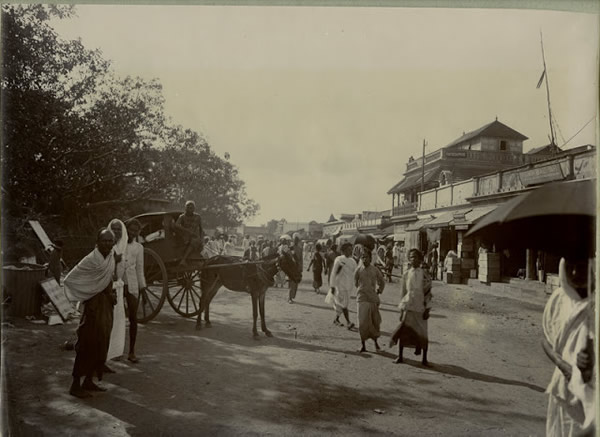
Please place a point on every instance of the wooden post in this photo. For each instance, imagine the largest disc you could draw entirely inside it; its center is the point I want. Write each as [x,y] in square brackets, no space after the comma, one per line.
[530,271]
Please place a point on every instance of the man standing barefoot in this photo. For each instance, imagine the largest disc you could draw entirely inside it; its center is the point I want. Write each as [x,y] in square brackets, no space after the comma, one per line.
[91,282]
[370,284]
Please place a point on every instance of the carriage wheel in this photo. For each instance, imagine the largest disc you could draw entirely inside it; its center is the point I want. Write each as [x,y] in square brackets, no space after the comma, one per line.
[152,298]
[185,292]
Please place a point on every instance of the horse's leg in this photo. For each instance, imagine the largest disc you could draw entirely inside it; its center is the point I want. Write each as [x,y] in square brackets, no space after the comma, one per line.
[263,323]
[254,313]
[213,292]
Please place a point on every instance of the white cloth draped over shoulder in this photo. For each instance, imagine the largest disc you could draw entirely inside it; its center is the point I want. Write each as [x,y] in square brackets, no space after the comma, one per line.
[91,276]
[342,278]
[567,324]
[117,335]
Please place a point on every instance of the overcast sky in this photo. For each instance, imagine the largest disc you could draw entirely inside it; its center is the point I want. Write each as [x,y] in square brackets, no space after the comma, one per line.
[320,108]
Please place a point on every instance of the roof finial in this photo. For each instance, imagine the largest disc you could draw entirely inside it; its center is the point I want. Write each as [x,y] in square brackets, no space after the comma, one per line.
[496,118]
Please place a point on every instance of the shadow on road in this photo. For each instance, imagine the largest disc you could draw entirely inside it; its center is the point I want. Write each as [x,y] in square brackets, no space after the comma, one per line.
[449,369]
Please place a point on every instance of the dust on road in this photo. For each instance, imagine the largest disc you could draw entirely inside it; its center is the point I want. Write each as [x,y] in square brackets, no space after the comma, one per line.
[487,377]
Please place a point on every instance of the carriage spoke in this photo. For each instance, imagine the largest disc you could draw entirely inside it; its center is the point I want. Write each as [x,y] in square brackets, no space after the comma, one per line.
[176,294]
[198,295]
[187,301]
[151,306]
[152,293]
[193,300]
[181,300]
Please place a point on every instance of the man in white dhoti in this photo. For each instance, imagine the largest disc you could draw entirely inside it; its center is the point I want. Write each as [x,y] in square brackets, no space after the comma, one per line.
[134,281]
[414,306]
[342,284]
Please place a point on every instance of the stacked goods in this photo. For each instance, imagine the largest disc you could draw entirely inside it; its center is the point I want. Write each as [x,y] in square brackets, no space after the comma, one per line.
[467,257]
[489,267]
[453,274]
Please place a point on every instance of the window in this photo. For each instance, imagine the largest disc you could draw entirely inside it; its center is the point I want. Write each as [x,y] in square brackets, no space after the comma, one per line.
[502,145]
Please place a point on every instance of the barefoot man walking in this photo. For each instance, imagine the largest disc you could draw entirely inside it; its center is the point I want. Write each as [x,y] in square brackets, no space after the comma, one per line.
[370,284]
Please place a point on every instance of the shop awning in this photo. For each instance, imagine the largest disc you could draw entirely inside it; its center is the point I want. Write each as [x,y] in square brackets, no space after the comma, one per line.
[413,181]
[477,213]
[400,236]
[415,226]
[445,218]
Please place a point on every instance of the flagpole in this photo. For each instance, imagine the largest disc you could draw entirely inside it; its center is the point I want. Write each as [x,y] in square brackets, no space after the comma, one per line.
[547,92]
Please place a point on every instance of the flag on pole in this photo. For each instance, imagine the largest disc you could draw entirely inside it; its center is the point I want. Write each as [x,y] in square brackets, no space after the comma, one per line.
[541,78]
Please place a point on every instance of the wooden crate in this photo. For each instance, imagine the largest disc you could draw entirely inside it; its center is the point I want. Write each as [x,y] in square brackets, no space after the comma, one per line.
[488,278]
[452,278]
[467,263]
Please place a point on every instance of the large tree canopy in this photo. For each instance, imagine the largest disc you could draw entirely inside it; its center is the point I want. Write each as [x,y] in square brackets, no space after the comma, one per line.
[75,134]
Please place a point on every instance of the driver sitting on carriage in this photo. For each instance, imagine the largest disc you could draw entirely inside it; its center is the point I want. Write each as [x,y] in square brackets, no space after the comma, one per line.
[188,230]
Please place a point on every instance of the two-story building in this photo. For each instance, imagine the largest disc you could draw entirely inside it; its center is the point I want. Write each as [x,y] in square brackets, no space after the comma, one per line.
[492,147]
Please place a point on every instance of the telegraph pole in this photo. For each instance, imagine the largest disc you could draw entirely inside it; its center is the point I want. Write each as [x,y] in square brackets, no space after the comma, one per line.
[423,168]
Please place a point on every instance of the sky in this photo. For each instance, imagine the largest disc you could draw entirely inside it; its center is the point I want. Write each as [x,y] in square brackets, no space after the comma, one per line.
[321,107]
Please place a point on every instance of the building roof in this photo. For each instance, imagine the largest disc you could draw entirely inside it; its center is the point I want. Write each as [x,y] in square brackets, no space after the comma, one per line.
[548,148]
[493,129]
[414,180]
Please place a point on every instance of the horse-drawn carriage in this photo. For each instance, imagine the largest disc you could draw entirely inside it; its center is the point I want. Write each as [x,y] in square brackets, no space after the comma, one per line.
[185,286]
[165,278]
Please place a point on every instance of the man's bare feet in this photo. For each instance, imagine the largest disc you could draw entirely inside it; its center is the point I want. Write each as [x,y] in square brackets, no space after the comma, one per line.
[362,349]
[133,358]
[78,392]
[106,369]
[90,386]
[398,360]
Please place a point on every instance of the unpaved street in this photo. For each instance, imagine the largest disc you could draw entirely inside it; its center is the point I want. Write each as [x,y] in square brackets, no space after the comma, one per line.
[487,377]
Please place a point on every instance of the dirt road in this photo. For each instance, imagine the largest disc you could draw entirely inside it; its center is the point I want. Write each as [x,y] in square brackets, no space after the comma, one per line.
[487,377]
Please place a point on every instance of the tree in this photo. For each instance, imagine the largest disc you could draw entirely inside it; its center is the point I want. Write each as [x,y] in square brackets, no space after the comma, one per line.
[191,170]
[76,134]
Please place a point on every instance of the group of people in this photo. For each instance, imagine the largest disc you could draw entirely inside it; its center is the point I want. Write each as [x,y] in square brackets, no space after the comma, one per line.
[347,275]
[109,277]
[108,281]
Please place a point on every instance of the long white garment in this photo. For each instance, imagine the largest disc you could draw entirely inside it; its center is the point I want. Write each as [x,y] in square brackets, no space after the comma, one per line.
[571,405]
[117,335]
[134,268]
[342,278]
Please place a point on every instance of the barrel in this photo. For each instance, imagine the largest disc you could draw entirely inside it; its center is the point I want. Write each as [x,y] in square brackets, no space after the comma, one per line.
[21,282]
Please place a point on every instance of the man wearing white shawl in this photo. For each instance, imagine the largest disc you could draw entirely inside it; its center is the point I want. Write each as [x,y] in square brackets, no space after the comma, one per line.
[568,324]
[342,283]
[90,282]
[117,335]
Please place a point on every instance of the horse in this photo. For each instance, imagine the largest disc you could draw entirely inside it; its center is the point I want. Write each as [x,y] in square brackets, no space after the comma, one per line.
[253,278]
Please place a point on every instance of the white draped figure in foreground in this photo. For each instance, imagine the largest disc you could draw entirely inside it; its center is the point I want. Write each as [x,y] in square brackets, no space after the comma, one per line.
[568,324]
[342,284]
[117,335]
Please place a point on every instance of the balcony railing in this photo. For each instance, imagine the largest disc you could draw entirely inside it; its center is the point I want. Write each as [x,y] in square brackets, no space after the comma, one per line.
[409,208]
